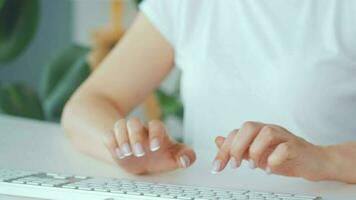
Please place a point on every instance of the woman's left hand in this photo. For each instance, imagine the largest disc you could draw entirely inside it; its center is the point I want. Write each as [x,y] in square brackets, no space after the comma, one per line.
[272,148]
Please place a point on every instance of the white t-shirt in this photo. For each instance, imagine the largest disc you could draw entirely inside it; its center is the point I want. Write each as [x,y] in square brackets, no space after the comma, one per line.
[286,62]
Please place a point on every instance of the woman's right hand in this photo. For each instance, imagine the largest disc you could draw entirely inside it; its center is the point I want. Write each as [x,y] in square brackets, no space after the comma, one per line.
[139,149]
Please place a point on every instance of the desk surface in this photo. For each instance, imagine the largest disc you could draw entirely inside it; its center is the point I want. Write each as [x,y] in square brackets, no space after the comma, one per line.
[40,146]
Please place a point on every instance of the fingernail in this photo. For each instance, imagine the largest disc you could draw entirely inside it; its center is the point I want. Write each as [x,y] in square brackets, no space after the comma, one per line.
[268,171]
[252,164]
[131,127]
[154,145]
[126,150]
[216,167]
[138,150]
[184,160]
[233,163]
[119,154]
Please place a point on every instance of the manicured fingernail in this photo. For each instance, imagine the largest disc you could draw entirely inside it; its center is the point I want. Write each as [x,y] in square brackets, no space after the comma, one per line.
[252,164]
[126,150]
[268,171]
[132,126]
[233,163]
[154,144]
[138,150]
[184,160]
[119,153]
[216,167]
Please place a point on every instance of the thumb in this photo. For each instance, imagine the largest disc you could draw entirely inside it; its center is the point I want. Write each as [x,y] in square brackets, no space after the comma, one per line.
[183,155]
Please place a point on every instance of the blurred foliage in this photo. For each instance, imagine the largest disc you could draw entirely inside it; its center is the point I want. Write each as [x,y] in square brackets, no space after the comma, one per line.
[63,74]
[1,3]
[61,77]
[138,1]
[170,104]
[20,100]
[18,24]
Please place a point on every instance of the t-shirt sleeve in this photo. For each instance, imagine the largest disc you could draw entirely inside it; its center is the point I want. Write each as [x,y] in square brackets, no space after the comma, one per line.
[163,15]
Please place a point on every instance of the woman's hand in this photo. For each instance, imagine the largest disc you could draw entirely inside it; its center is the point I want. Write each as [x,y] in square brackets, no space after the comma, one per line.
[139,149]
[273,149]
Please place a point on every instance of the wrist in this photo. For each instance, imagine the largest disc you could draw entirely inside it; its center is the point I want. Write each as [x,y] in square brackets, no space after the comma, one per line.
[330,166]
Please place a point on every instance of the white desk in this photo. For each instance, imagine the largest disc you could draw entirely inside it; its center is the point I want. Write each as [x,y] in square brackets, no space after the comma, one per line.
[40,146]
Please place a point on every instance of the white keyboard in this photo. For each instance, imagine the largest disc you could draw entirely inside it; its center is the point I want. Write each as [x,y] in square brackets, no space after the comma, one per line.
[70,187]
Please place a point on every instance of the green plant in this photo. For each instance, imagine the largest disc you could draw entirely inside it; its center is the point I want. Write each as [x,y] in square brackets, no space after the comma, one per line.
[61,77]
[20,100]
[138,1]
[171,104]
[1,3]
[18,24]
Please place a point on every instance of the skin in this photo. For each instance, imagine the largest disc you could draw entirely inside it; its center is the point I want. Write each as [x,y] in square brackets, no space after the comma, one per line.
[276,150]
[96,116]
[122,81]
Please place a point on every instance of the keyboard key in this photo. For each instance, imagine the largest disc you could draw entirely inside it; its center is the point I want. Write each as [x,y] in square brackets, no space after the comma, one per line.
[137,189]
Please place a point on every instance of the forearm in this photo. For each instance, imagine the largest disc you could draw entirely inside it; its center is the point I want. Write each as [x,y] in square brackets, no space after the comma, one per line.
[85,120]
[342,162]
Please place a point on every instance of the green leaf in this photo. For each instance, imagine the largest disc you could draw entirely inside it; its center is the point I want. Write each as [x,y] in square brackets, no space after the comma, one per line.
[138,1]
[61,77]
[18,24]
[19,100]
[1,3]
[58,66]
[170,105]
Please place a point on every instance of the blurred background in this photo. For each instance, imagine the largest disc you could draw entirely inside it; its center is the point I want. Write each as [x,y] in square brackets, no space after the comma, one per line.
[49,47]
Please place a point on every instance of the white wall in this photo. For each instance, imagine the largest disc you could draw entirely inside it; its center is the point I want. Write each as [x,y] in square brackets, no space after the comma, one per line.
[93,14]
[61,22]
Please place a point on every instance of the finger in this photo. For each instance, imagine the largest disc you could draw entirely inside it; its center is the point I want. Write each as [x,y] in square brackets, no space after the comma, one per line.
[267,137]
[157,132]
[281,153]
[243,139]
[184,155]
[110,143]
[219,141]
[223,155]
[137,136]
[122,138]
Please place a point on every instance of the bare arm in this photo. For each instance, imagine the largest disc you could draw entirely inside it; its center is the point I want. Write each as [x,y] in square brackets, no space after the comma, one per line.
[342,162]
[134,68]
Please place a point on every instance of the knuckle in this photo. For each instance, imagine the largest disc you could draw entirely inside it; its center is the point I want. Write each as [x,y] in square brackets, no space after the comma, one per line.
[225,150]
[268,138]
[253,152]
[234,151]
[249,125]
[223,155]
[275,161]
[285,148]
[268,130]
